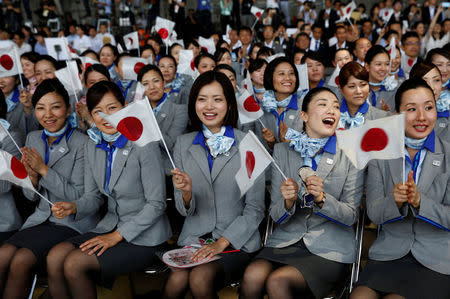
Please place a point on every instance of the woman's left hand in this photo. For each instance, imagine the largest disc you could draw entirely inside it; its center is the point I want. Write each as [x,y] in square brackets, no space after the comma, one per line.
[413,193]
[314,184]
[101,243]
[34,160]
[283,130]
[209,250]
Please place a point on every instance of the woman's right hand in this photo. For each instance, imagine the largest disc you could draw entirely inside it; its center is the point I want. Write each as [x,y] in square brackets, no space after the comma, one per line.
[289,191]
[25,100]
[34,176]
[63,209]
[83,113]
[268,136]
[400,194]
[182,182]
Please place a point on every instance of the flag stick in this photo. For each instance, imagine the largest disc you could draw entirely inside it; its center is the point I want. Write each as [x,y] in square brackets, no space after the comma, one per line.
[262,124]
[7,132]
[267,154]
[18,61]
[254,24]
[403,170]
[43,197]
[71,81]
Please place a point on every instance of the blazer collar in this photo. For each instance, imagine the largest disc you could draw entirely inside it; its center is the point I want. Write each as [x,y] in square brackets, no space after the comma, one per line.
[60,147]
[431,166]
[119,162]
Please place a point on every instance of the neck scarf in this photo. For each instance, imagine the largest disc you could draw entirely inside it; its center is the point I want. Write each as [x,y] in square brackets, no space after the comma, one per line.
[159,105]
[5,123]
[347,121]
[270,103]
[414,143]
[443,102]
[259,90]
[306,146]
[58,133]
[218,143]
[12,99]
[97,136]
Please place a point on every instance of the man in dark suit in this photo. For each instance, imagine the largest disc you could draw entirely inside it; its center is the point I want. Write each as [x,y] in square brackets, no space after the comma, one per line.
[327,19]
[341,37]
[317,44]
[429,11]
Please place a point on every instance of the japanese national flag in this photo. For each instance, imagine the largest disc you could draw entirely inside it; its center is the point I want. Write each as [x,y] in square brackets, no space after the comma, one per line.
[70,78]
[131,40]
[248,107]
[207,44]
[9,62]
[272,57]
[392,51]
[88,61]
[12,170]
[334,79]
[139,94]
[257,12]
[186,64]
[254,160]
[387,15]
[136,122]
[132,65]
[58,48]
[302,70]
[348,9]
[383,138]
[164,28]
[248,85]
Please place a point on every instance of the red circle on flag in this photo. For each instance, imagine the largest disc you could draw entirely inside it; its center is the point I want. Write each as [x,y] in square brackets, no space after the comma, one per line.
[138,66]
[251,105]
[131,41]
[258,14]
[131,127]
[163,33]
[6,62]
[249,163]
[348,9]
[375,139]
[18,169]
[87,65]
[193,65]
[336,80]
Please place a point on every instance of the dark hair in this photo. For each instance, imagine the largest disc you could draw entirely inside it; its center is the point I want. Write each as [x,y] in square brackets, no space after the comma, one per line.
[147,68]
[231,117]
[173,46]
[225,67]
[411,83]
[89,51]
[49,59]
[341,50]
[220,43]
[120,56]
[265,51]
[96,93]
[194,43]
[259,45]
[374,51]
[354,69]
[220,53]
[113,49]
[148,47]
[422,68]
[41,33]
[408,35]
[19,34]
[169,57]
[437,51]
[339,26]
[30,56]
[416,24]
[256,65]
[3,106]
[245,28]
[270,70]
[48,86]
[99,68]
[313,56]
[201,56]
[300,35]
[311,94]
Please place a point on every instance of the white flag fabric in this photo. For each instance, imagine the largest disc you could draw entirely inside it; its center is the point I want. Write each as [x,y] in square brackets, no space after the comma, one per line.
[3,132]
[136,122]
[139,94]
[248,107]
[248,85]
[347,10]
[254,160]
[207,44]
[120,49]
[132,65]
[391,49]
[164,28]
[131,40]
[70,78]
[12,170]
[334,79]
[186,64]
[9,62]
[88,61]
[387,15]
[270,58]
[383,138]
[58,48]
[302,70]
[257,12]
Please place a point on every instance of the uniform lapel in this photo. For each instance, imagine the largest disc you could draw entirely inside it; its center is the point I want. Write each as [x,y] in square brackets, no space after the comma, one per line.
[119,162]
[326,164]
[60,150]
[199,155]
[431,167]
[221,161]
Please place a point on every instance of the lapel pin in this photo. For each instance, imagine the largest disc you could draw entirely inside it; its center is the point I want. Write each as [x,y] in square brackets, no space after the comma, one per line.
[62,150]
[436,163]
[163,115]
[329,161]
[442,125]
[125,152]
[291,116]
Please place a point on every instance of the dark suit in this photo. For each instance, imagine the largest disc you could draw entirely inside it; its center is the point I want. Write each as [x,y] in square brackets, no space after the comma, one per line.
[426,16]
[332,18]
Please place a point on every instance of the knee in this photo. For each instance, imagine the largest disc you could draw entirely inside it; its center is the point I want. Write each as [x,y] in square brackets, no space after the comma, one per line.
[254,277]
[55,259]
[199,284]
[363,292]
[275,284]
[23,261]
[73,266]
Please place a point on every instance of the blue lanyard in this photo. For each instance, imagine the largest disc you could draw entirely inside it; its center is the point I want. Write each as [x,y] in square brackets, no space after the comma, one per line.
[443,114]
[415,163]
[125,90]
[110,150]
[280,117]
[374,96]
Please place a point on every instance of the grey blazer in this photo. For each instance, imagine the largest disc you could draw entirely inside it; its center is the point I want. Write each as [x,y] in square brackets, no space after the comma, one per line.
[375,113]
[172,120]
[442,128]
[20,122]
[217,205]
[131,91]
[9,216]
[136,202]
[326,231]
[388,96]
[182,96]
[63,182]
[425,232]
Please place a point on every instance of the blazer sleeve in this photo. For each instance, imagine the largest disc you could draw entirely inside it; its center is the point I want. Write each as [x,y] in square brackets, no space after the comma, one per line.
[153,181]
[434,212]
[9,147]
[178,125]
[244,226]
[278,210]
[344,210]
[179,202]
[69,189]
[381,206]
[92,198]
[30,195]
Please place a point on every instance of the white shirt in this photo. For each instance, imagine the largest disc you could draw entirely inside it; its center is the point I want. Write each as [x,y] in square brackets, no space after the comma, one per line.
[269,45]
[82,43]
[312,44]
[25,48]
[96,44]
